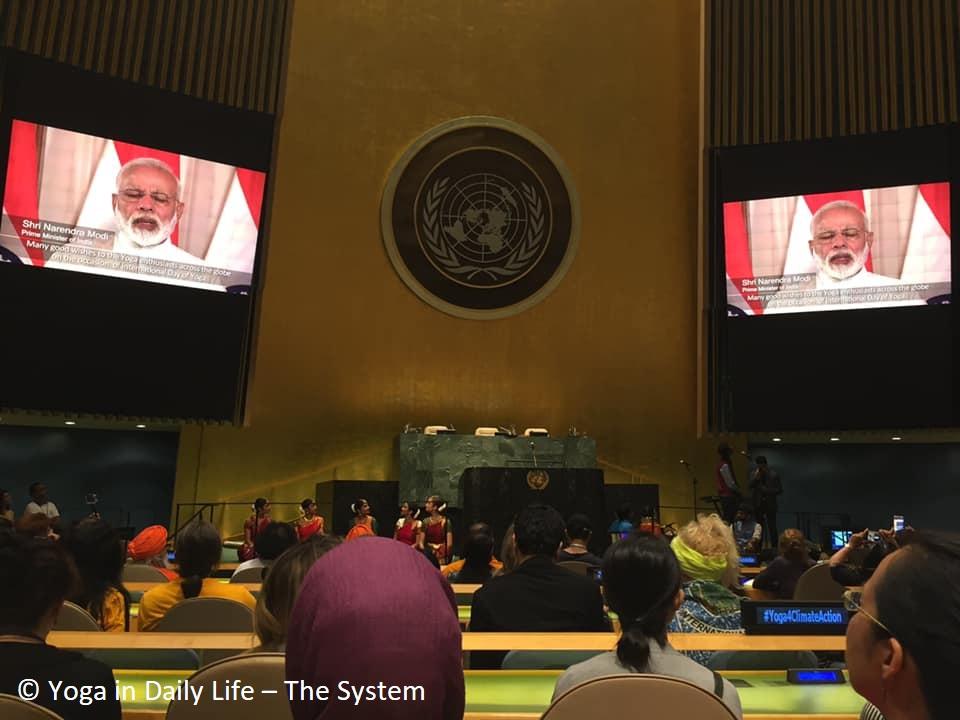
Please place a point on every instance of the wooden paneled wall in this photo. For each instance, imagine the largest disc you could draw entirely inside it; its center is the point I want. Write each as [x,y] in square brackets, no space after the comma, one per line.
[225,51]
[778,70]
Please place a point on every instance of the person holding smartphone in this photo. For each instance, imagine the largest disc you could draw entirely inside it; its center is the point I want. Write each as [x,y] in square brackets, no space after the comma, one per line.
[876,545]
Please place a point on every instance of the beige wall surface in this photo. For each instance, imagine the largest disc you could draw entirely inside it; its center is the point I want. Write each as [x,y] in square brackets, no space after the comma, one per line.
[346,354]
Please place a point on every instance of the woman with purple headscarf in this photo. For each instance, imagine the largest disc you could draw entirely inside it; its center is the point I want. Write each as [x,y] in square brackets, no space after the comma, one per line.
[374,634]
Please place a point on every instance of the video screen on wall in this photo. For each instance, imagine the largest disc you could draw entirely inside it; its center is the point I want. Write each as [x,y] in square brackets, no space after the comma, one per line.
[879,247]
[101,206]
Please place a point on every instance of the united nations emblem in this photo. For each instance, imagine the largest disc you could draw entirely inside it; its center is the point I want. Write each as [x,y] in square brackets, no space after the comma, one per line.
[538,479]
[479,218]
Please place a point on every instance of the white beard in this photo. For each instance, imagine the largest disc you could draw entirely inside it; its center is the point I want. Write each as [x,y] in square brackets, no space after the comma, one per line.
[138,237]
[845,271]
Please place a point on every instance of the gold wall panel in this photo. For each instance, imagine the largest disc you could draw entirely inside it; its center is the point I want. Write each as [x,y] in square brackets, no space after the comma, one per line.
[346,354]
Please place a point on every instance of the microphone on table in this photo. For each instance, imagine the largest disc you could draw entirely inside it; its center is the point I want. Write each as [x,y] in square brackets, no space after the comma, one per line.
[533,451]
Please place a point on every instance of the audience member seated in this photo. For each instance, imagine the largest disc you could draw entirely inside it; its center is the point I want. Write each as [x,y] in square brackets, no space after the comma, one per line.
[622,527]
[198,552]
[903,644]
[709,562]
[579,530]
[480,528]
[400,630]
[36,576]
[281,589]
[364,524]
[149,547]
[6,526]
[477,554]
[747,532]
[6,506]
[407,529]
[854,563]
[310,523]
[97,552]
[537,595]
[269,545]
[781,575]
[641,582]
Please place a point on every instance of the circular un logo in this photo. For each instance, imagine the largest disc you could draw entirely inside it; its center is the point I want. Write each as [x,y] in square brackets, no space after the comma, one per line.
[538,479]
[480,218]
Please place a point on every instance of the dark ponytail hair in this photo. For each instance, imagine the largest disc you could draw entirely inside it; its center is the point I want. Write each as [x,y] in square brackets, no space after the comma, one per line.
[198,552]
[641,578]
[98,554]
[918,598]
[357,506]
[36,576]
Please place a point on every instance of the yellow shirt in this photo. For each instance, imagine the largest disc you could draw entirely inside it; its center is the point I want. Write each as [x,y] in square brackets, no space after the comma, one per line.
[448,570]
[113,612]
[157,601]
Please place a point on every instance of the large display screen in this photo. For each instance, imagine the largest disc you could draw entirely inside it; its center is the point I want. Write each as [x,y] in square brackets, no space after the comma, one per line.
[97,205]
[862,248]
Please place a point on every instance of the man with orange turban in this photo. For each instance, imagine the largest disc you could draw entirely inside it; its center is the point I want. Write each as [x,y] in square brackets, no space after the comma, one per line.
[149,547]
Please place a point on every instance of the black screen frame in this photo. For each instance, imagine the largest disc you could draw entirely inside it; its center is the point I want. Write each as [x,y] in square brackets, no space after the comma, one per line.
[81,343]
[895,365]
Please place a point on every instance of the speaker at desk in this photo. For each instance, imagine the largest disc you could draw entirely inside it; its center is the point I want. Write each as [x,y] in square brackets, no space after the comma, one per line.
[496,495]
[335,497]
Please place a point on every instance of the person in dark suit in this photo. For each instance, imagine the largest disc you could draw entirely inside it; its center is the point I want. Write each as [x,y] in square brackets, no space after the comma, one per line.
[538,596]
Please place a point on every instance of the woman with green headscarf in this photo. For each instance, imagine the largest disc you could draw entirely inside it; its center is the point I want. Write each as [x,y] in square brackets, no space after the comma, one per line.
[707,554]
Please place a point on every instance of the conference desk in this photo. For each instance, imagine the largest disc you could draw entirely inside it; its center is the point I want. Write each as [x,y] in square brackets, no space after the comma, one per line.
[525,694]
[471,641]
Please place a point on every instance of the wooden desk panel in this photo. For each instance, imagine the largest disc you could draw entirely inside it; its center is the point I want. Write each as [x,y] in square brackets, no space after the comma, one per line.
[471,641]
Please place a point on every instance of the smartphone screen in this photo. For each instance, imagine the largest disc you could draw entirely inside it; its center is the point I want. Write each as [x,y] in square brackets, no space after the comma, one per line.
[897,523]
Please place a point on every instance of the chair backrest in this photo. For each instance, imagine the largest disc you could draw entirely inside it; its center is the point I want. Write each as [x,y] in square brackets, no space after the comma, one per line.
[263,671]
[74,617]
[13,708]
[249,575]
[621,695]
[545,659]
[207,614]
[138,572]
[536,432]
[485,432]
[577,566]
[761,660]
[816,585]
[182,659]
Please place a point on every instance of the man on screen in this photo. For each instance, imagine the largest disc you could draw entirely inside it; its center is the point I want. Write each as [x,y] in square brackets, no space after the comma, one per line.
[146,207]
[840,243]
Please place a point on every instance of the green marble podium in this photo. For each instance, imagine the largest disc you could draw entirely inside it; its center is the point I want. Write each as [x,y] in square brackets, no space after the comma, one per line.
[433,464]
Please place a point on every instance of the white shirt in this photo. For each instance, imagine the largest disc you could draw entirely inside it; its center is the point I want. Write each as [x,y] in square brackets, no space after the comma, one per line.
[48,509]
